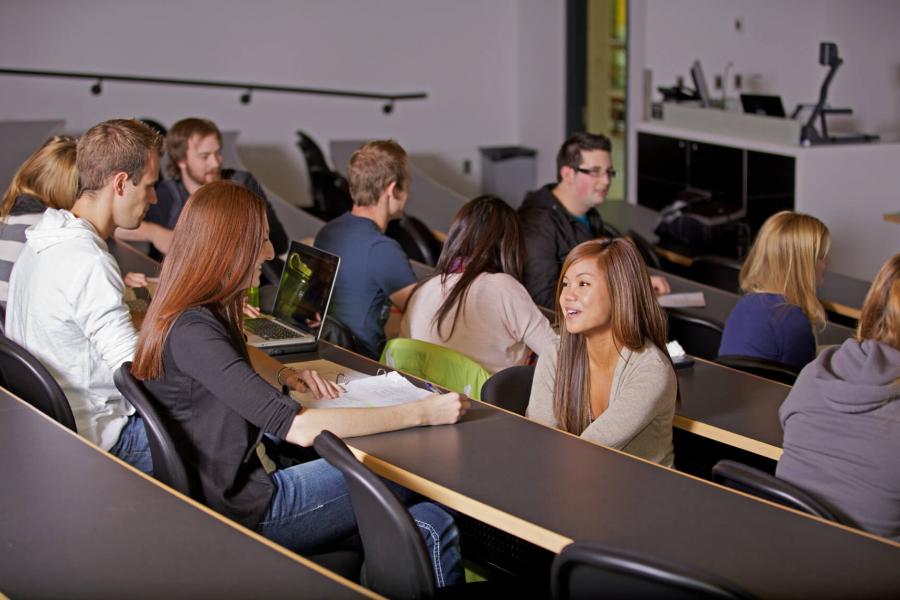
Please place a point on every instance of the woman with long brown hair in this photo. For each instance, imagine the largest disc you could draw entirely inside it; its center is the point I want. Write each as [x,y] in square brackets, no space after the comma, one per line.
[611,380]
[841,419]
[474,303]
[48,177]
[193,359]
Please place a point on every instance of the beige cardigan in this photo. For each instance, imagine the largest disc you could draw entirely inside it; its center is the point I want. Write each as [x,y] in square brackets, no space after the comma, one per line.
[641,407]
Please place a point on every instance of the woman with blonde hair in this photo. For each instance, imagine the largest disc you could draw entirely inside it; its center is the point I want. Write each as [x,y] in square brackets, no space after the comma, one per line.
[205,382]
[609,379]
[47,178]
[841,419]
[776,317]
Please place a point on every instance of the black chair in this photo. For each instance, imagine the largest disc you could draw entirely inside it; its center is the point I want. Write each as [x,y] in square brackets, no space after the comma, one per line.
[716,271]
[23,374]
[770,369]
[416,239]
[758,483]
[698,336]
[335,332]
[329,189]
[648,252]
[594,570]
[396,560]
[509,388]
[167,464]
[2,319]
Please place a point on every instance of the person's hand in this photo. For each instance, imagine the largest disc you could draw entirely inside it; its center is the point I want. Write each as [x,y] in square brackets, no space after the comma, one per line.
[444,409]
[311,381]
[251,312]
[660,285]
[135,280]
[315,322]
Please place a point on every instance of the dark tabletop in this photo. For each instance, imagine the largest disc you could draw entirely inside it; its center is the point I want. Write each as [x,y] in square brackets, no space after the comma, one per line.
[74,523]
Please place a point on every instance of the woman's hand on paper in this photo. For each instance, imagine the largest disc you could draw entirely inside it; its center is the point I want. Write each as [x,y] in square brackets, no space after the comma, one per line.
[444,409]
[318,386]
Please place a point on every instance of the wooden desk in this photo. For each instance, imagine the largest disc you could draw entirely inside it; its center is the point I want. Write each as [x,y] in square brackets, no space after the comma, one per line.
[840,294]
[550,488]
[132,260]
[892,217]
[78,523]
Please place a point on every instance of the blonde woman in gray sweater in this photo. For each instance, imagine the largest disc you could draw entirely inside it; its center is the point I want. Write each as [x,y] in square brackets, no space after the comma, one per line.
[609,380]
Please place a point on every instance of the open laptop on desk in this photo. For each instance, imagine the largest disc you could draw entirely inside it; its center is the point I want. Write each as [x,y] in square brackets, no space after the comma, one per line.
[301,302]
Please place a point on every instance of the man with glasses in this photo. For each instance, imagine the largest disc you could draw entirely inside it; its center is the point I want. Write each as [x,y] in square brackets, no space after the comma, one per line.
[561,215]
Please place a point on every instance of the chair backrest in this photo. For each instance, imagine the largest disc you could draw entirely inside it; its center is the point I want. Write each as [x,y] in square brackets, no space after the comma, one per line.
[716,271]
[648,252]
[167,464]
[443,366]
[509,388]
[337,333]
[698,336]
[23,374]
[758,483]
[396,559]
[330,191]
[770,369]
[417,241]
[591,570]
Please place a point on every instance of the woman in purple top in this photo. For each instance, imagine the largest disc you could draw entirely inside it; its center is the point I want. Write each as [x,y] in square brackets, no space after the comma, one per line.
[777,316]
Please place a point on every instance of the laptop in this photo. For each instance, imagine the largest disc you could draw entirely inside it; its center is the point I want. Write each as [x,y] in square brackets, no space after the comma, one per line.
[761,104]
[301,302]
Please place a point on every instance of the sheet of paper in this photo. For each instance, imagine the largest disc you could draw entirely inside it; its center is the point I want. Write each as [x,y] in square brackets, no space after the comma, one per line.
[683,300]
[375,390]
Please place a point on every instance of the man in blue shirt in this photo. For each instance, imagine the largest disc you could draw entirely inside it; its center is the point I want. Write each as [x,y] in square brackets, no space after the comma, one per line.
[375,273]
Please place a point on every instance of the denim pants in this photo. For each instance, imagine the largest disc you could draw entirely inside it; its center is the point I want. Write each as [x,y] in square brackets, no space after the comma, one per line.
[311,508]
[133,447]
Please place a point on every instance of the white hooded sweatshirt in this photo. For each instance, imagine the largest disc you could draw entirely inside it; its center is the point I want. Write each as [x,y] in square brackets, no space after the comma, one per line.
[66,307]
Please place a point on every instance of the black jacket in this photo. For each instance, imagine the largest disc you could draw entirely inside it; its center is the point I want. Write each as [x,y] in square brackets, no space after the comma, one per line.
[550,232]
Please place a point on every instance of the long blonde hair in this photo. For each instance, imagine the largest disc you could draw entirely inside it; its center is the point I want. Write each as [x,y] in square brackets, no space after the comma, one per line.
[880,319]
[49,175]
[636,317]
[783,260]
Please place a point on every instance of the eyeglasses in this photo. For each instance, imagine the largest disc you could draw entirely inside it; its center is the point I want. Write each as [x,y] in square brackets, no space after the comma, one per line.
[597,172]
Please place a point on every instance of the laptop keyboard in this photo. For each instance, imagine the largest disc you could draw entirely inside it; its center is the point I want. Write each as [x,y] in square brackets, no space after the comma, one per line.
[270,330]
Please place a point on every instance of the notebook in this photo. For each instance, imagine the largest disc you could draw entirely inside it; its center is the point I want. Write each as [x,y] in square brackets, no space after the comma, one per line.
[301,303]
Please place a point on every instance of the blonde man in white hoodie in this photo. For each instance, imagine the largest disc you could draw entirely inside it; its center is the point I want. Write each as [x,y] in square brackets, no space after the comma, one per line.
[65,295]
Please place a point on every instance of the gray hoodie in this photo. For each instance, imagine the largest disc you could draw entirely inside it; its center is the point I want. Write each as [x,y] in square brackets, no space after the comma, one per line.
[842,433]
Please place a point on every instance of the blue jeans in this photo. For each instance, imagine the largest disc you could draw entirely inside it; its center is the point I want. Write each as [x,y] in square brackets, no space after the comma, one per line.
[311,508]
[133,446]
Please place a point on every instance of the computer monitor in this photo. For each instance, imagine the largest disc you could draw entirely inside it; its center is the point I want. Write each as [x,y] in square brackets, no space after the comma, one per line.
[700,84]
[761,104]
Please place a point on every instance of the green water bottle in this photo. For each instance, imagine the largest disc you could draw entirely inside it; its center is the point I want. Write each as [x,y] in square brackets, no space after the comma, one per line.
[253,297]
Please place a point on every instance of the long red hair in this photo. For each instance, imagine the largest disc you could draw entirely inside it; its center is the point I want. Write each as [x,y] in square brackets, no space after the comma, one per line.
[213,253]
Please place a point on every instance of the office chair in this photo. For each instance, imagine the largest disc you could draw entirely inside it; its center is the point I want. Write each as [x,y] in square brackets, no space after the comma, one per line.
[770,369]
[329,190]
[509,388]
[648,252]
[758,483]
[417,241]
[396,559]
[335,332]
[23,374]
[591,570]
[442,366]
[698,336]
[716,271]
[167,464]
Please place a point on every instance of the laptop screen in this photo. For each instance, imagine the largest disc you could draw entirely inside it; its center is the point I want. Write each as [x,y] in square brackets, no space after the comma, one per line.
[305,287]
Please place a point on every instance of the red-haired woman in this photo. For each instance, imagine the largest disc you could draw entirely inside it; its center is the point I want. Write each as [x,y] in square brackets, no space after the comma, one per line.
[611,380]
[192,358]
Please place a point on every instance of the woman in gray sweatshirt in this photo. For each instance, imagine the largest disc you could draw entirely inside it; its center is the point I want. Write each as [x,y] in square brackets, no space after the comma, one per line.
[842,418]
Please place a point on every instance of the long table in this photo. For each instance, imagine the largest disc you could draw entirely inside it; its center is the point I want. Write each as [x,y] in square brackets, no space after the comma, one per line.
[551,488]
[839,293]
[76,522]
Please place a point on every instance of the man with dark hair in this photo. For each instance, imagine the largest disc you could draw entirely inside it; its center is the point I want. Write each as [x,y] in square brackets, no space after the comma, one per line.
[374,271]
[66,291]
[561,215]
[194,148]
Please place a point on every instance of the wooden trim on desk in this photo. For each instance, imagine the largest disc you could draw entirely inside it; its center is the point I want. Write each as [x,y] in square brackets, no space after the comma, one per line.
[521,528]
[841,309]
[728,437]
[892,217]
[678,259]
[202,508]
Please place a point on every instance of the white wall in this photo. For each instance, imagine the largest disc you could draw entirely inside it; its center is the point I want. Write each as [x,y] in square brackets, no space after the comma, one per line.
[462,53]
